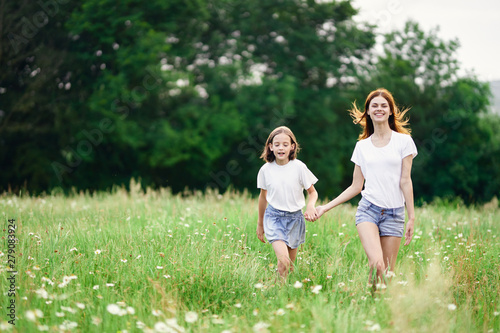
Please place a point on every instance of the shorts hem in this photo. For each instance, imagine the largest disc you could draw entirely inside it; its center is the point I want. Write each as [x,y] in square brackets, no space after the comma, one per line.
[366,222]
[284,241]
[387,235]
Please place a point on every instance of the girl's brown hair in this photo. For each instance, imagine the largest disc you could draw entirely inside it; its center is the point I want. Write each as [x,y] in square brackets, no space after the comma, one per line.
[268,156]
[396,119]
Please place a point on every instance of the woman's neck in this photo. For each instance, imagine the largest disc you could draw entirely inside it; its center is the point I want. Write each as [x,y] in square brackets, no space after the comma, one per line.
[381,130]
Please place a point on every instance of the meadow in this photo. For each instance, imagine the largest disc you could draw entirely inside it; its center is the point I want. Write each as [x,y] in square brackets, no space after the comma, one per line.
[150,261]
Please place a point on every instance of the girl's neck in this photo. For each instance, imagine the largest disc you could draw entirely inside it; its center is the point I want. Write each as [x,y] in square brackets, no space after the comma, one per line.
[381,130]
[281,163]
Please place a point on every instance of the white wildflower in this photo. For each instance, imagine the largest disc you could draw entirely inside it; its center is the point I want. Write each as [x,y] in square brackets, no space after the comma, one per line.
[161,327]
[374,327]
[96,320]
[42,293]
[172,322]
[316,289]
[260,327]
[113,309]
[157,313]
[68,309]
[191,317]
[68,325]
[30,315]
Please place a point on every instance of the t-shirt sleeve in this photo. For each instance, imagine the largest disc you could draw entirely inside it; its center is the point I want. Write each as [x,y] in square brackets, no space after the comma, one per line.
[307,177]
[261,179]
[409,148]
[356,155]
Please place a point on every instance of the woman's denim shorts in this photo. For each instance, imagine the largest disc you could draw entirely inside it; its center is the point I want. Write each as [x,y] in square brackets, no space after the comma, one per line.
[289,227]
[390,221]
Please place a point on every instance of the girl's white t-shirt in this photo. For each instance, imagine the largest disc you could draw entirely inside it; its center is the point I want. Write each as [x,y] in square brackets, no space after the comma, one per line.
[285,184]
[381,167]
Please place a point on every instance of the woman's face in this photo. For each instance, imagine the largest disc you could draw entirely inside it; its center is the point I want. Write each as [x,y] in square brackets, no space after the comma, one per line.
[379,110]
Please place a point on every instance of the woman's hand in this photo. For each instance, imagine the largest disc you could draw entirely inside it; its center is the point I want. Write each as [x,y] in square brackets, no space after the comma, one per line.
[409,230]
[320,210]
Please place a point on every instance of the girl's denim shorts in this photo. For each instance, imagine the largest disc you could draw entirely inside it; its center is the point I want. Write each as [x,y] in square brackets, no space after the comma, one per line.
[289,227]
[390,221]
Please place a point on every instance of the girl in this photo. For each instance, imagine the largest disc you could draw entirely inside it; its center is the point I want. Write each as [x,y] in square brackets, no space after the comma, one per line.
[282,181]
[383,157]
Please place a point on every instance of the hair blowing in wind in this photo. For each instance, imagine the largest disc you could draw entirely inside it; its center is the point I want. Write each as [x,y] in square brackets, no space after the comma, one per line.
[397,122]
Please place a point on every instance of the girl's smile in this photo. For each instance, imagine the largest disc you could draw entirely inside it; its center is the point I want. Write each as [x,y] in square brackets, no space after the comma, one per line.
[281,148]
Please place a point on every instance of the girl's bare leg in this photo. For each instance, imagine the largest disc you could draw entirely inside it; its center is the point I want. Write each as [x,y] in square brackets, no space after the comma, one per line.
[283,255]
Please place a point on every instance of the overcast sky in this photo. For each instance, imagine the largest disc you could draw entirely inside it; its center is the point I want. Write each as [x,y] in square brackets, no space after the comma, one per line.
[476,24]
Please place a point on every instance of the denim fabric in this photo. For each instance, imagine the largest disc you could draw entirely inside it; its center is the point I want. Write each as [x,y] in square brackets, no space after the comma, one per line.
[390,221]
[289,227]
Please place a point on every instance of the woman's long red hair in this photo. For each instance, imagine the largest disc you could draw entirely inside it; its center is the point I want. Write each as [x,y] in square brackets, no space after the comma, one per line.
[397,122]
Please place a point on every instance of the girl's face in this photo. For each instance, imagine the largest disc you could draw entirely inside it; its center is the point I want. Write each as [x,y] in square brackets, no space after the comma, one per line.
[281,147]
[379,110]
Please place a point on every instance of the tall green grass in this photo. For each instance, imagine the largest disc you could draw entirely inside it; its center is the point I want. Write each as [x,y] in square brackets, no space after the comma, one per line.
[160,257]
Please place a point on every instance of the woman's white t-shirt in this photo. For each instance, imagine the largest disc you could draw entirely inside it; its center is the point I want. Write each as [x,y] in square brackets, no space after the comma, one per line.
[381,167]
[285,184]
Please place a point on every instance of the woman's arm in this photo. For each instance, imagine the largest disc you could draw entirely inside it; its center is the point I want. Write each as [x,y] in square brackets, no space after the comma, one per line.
[312,195]
[407,188]
[262,209]
[356,186]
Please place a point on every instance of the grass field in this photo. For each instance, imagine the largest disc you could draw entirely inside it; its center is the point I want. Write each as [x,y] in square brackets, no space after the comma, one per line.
[157,262]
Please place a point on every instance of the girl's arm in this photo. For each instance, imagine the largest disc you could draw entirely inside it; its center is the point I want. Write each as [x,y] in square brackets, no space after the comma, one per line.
[312,195]
[356,186]
[407,188]
[262,209]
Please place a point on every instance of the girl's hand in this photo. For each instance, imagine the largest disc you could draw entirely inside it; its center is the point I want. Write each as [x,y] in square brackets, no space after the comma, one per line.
[409,230]
[260,232]
[311,215]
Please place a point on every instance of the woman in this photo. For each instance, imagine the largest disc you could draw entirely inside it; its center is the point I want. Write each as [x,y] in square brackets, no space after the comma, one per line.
[383,158]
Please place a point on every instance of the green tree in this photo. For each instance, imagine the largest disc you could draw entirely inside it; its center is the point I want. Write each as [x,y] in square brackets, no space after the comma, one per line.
[304,54]
[185,93]
[33,57]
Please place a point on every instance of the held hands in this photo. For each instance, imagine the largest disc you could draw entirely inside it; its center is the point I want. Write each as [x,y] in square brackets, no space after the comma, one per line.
[311,214]
[318,212]
[409,230]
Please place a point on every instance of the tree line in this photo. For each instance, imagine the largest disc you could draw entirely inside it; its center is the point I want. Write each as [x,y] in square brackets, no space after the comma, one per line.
[183,94]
